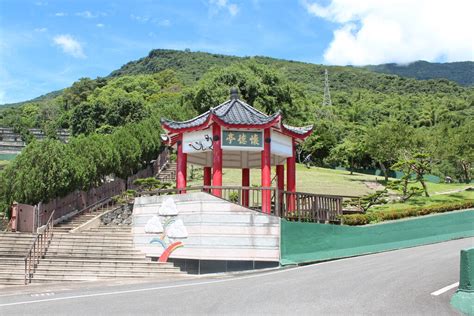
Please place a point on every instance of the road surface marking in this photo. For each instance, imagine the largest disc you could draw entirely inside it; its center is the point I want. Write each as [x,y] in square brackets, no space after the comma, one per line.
[154,288]
[445,289]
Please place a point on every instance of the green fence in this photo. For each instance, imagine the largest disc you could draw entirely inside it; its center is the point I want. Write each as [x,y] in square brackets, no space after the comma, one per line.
[7,156]
[308,242]
[391,174]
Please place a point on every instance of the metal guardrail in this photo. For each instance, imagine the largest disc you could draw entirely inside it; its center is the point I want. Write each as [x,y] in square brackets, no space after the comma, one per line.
[293,206]
[38,249]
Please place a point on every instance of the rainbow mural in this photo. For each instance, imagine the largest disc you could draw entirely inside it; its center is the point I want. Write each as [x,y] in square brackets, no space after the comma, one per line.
[169,227]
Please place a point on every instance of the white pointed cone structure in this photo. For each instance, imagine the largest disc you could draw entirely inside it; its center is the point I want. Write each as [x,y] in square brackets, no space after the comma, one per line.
[168,208]
[177,230]
[154,226]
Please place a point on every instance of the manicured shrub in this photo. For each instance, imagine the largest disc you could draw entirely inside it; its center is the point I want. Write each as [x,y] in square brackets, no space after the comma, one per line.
[375,217]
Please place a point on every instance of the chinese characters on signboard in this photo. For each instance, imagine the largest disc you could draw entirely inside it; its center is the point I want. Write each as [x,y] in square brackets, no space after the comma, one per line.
[249,139]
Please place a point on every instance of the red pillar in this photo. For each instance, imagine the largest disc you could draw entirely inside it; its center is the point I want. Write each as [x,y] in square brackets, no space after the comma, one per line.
[280,171]
[245,183]
[266,172]
[207,176]
[291,179]
[216,159]
[181,165]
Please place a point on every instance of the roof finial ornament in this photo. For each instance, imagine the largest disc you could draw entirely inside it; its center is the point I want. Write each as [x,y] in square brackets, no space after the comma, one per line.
[234,93]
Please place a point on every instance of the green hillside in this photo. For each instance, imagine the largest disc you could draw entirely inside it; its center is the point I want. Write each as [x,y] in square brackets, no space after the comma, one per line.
[460,72]
[191,66]
[375,119]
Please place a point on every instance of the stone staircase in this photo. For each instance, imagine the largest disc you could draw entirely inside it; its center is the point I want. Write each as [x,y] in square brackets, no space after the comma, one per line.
[104,252]
[168,174]
[78,220]
[13,247]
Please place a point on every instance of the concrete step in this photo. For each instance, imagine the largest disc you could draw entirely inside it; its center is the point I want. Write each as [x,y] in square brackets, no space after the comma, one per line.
[103,261]
[12,281]
[41,280]
[12,261]
[18,241]
[88,252]
[8,268]
[18,254]
[97,241]
[97,238]
[101,275]
[92,256]
[15,246]
[92,246]
[145,269]
[99,265]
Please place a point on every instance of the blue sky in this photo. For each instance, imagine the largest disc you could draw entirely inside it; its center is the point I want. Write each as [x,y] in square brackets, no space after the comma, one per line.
[46,45]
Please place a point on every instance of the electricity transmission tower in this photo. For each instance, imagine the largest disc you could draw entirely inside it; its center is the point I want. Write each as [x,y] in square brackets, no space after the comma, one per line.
[327,94]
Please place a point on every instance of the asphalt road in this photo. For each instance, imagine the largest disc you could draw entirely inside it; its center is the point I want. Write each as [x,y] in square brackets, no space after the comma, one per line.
[397,283]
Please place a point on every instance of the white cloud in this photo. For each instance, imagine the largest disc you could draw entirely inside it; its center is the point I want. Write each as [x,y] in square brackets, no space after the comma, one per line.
[69,45]
[218,5]
[164,23]
[402,31]
[233,9]
[41,29]
[139,18]
[86,14]
[100,25]
[60,14]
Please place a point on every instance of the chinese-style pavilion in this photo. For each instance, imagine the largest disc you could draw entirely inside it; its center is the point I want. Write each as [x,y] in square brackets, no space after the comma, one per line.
[236,135]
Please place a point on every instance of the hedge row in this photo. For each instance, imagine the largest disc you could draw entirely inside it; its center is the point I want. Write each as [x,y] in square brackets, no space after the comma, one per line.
[49,168]
[375,217]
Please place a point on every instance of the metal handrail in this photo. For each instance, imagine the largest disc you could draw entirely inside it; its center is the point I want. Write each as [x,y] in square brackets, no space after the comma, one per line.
[108,200]
[97,204]
[38,248]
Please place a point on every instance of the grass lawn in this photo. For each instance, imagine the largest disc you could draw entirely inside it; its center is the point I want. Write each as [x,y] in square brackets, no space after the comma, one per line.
[426,201]
[3,163]
[313,180]
[340,182]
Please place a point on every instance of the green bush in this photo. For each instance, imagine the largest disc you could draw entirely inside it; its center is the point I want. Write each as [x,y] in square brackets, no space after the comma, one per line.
[234,197]
[376,217]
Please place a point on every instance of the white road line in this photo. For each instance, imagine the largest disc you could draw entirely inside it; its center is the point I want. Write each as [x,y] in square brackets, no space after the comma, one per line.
[160,287]
[445,289]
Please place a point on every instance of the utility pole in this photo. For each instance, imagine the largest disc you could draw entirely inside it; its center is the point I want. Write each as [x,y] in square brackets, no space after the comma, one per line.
[327,95]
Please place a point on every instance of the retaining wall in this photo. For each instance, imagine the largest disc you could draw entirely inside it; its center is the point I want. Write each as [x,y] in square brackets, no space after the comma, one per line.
[308,242]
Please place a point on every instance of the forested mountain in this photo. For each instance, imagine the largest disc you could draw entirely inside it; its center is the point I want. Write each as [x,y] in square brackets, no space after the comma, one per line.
[460,72]
[374,119]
